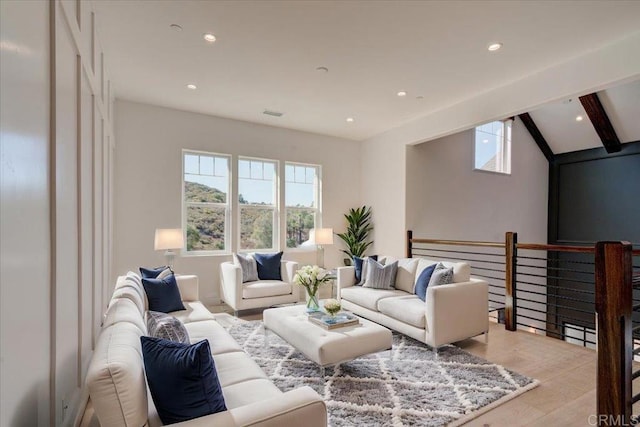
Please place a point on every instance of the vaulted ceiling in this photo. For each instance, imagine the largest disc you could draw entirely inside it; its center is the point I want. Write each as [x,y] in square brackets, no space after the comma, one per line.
[566,126]
[267,53]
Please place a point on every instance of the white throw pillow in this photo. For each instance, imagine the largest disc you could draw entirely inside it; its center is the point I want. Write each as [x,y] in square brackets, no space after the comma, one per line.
[405,279]
[248,265]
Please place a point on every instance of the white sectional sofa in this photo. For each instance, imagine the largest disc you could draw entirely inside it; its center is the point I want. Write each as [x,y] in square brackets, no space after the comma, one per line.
[450,313]
[116,378]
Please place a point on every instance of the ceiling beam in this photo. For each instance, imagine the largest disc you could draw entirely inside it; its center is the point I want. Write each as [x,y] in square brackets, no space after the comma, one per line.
[537,136]
[601,122]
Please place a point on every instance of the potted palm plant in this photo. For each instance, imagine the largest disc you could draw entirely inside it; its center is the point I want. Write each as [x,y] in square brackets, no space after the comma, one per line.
[358,229]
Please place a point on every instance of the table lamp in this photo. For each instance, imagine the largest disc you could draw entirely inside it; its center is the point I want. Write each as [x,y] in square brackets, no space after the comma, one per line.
[321,237]
[169,239]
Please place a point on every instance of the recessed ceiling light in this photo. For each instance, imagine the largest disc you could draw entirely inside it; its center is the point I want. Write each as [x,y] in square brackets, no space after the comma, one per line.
[192,87]
[209,37]
[419,97]
[175,27]
[322,69]
[350,120]
[402,93]
[494,46]
[579,118]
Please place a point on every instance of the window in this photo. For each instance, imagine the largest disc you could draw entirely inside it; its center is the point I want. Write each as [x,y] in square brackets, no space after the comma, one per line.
[302,188]
[257,191]
[493,147]
[205,201]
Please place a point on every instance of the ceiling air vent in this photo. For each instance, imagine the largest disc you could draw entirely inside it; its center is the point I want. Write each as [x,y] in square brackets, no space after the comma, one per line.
[272,113]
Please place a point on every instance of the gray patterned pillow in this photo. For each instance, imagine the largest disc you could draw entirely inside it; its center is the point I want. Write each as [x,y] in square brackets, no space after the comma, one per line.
[441,275]
[380,276]
[249,267]
[162,325]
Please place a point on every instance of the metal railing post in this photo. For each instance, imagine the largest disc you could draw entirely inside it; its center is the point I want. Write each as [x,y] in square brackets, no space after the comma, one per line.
[510,295]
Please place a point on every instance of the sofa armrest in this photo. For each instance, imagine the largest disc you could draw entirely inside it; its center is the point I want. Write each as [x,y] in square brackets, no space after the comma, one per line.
[287,270]
[345,277]
[231,282]
[188,286]
[445,303]
[298,407]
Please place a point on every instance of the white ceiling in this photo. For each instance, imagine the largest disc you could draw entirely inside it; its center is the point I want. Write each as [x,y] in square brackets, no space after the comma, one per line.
[557,121]
[268,51]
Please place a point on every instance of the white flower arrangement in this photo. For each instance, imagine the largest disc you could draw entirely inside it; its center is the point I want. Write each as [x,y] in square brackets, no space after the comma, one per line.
[311,277]
[332,306]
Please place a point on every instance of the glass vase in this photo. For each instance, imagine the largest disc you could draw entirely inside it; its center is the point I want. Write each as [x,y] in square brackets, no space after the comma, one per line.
[312,303]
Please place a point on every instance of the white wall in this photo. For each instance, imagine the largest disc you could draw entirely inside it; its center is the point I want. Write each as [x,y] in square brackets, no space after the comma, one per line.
[148,179]
[24,209]
[447,199]
[56,140]
[383,189]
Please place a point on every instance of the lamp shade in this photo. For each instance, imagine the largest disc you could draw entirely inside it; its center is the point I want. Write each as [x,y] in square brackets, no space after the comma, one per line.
[322,236]
[168,238]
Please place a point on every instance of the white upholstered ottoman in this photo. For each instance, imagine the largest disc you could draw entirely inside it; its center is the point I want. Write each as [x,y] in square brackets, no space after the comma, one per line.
[326,347]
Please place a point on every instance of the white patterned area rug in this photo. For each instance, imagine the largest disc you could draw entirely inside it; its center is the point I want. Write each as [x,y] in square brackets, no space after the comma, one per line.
[413,389]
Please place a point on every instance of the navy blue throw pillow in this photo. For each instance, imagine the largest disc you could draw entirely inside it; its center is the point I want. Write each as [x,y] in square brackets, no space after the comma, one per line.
[357,263]
[152,273]
[163,294]
[423,282]
[268,266]
[182,379]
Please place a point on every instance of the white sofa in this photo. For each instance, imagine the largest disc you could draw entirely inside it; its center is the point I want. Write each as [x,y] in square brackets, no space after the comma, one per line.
[117,384]
[258,294]
[450,313]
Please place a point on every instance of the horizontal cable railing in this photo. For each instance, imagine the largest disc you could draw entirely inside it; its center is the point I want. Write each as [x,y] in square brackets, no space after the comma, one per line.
[486,260]
[566,292]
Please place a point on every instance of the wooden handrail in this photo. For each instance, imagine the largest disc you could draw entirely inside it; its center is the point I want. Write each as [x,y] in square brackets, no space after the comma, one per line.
[557,248]
[459,243]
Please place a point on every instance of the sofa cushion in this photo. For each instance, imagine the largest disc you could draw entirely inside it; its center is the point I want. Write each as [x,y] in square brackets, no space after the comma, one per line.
[441,275]
[133,280]
[381,276]
[408,309]
[248,265]
[422,283]
[405,278]
[115,377]
[265,288]
[194,311]
[368,297]
[219,339]
[268,266]
[461,270]
[251,391]
[130,293]
[153,273]
[124,310]
[236,367]
[162,325]
[163,294]
[182,379]
[360,268]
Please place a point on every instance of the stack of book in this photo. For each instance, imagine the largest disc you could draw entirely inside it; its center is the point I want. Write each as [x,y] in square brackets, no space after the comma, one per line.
[340,320]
